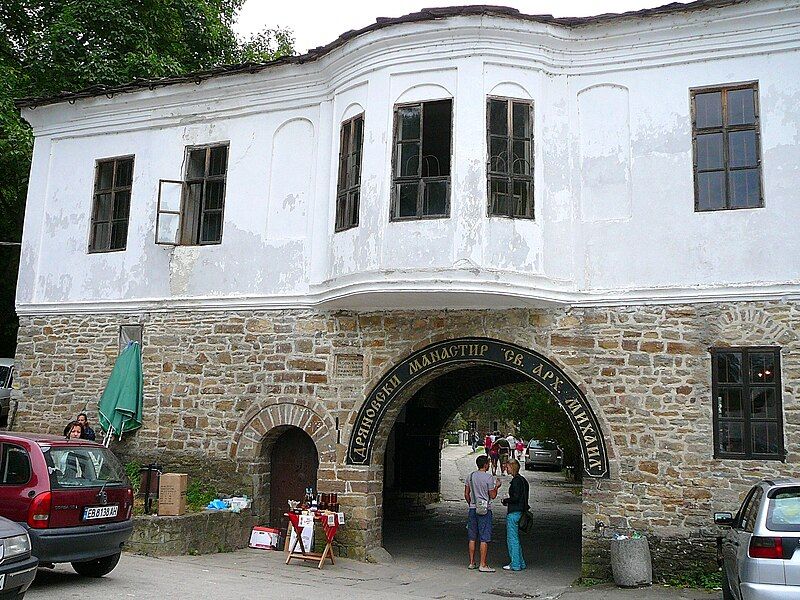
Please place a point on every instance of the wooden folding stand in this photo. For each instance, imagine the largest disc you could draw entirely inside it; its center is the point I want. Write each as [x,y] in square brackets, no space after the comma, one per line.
[330,532]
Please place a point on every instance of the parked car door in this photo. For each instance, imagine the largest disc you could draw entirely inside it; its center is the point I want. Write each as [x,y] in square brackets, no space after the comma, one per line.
[735,540]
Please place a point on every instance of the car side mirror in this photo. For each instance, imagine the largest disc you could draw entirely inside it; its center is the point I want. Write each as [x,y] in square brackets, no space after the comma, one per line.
[723,518]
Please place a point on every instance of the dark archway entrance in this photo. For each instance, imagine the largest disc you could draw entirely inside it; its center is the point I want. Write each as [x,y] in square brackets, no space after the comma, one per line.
[293,468]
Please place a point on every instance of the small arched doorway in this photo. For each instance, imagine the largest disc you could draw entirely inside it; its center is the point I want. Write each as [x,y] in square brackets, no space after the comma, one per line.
[293,468]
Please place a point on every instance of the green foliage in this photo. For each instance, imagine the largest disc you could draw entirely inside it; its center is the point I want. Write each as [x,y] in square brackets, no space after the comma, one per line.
[132,470]
[198,494]
[697,576]
[50,46]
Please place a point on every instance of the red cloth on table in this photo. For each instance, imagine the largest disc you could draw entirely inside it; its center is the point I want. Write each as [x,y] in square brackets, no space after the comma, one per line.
[330,530]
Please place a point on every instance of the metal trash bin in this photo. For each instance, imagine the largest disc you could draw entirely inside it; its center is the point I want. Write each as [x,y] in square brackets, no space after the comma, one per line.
[631,563]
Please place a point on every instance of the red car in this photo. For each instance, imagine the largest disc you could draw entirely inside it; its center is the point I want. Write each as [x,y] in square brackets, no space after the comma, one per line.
[72,496]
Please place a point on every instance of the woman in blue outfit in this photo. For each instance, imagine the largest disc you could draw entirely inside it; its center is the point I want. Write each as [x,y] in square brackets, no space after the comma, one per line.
[517,503]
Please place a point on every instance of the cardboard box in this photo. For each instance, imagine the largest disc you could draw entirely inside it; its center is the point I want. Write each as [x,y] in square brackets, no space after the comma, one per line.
[265,538]
[172,494]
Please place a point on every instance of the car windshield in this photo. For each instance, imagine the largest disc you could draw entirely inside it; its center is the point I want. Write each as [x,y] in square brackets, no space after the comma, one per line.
[783,512]
[83,466]
[4,371]
[540,445]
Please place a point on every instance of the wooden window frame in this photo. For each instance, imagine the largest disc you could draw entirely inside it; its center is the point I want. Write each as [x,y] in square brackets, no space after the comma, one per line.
[726,130]
[508,176]
[348,185]
[113,190]
[191,234]
[745,386]
[423,181]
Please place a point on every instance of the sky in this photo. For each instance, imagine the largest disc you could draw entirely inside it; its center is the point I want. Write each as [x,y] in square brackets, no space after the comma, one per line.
[316,22]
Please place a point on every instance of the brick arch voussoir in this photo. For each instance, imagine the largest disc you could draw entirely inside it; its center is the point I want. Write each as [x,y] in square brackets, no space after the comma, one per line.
[259,426]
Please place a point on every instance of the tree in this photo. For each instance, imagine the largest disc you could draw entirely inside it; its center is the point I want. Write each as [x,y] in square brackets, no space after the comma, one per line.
[50,46]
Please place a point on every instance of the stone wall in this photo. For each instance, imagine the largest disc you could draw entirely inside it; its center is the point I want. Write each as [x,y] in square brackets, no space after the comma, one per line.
[206,532]
[218,385]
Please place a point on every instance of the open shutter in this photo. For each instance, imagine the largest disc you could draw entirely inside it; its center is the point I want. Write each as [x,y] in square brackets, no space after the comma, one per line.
[168,218]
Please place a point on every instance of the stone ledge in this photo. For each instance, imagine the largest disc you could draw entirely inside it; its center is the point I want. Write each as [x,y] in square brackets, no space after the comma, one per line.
[205,532]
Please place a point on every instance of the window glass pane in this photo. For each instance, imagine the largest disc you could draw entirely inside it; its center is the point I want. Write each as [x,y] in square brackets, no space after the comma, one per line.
[122,202]
[219,160]
[709,151]
[197,163]
[102,236]
[523,203]
[742,148]
[407,194]
[501,204]
[355,170]
[711,190]
[353,209]
[103,207]
[344,155]
[729,367]
[745,188]
[358,133]
[435,200]
[408,122]
[498,154]
[784,510]
[211,230]
[124,172]
[708,109]
[731,438]
[765,438]
[105,175]
[119,234]
[436,134]
[341,211]
[521,164]
[741,107]
[498,117]
[521,119]
[408,160]
[762,403]
[168,228]
[215,194]
[762,367]
[16,466]
[730,403]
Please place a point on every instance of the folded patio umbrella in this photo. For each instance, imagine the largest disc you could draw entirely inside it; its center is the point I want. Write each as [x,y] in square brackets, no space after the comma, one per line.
[120,405]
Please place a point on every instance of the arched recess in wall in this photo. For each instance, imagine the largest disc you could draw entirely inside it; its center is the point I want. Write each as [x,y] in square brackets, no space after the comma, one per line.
[353,109]
[290,179]
[605,153]
[510,89]
[422,92]
[390,392]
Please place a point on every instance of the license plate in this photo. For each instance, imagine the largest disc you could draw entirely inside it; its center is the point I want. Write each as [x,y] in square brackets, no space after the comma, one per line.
[100,512]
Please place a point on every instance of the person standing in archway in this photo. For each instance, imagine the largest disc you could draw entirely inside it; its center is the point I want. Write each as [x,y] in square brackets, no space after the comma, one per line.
[517,503]
[479,491]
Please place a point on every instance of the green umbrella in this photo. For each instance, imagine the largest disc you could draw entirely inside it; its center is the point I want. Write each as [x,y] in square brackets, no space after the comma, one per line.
[120,406]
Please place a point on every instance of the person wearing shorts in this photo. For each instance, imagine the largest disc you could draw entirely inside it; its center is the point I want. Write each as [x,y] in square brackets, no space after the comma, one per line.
[480,488]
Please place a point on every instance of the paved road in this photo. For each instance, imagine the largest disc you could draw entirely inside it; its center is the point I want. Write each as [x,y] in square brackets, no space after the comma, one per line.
[429,562]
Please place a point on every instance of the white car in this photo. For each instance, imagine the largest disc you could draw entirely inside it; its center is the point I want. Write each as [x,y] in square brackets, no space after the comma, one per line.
[6,381]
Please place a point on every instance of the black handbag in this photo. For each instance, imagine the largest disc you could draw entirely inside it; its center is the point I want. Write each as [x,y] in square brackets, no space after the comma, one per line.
[525,521]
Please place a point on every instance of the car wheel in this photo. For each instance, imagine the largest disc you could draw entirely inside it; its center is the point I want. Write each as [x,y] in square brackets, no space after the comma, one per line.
[726,586]
[97,567]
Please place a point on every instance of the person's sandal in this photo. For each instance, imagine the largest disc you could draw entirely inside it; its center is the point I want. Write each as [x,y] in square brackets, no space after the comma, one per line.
[472,566]
[486,569]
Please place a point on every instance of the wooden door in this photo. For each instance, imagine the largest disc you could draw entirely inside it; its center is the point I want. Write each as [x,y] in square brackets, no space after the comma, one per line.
[293,468]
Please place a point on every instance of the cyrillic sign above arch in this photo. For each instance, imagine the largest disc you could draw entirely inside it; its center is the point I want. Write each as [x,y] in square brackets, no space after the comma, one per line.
[481,351]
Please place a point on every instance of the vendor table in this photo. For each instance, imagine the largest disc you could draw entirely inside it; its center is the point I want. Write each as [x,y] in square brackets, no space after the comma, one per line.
[330,524]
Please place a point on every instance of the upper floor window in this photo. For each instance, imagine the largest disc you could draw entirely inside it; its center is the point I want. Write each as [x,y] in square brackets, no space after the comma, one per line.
[190,211]
[422,137]
[727,156]
[748,420]
[510,170]
[112,202]
[349,184]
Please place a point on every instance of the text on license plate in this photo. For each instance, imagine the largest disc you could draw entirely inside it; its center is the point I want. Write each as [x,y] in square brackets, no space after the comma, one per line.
[100,512]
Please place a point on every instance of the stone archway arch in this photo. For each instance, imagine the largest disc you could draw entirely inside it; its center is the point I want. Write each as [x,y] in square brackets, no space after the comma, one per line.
[452,353]
[262,423]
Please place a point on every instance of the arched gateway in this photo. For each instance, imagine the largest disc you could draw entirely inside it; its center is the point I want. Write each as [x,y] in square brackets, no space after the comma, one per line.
[472,351]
